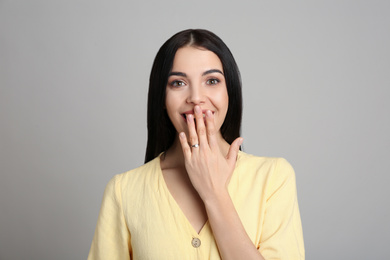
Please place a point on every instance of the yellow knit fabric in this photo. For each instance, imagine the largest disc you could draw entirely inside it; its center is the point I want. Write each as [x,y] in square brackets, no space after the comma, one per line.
[139,219]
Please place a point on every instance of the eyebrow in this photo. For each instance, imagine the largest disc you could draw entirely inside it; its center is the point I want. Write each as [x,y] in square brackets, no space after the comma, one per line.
[211,71]
[174,73]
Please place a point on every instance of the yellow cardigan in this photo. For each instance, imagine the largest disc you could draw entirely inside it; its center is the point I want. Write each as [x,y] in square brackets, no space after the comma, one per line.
[139,218]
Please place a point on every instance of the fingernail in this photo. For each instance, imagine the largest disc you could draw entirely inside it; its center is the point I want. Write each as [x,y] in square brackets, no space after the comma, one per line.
[209,113]
[240,141]
[197,109]
[190,117]
[181,135]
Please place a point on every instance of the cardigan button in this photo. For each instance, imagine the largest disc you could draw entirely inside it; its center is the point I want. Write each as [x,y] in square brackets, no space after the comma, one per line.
[196,242]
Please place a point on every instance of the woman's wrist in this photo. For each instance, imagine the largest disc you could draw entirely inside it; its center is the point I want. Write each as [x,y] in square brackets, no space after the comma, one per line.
[217,199]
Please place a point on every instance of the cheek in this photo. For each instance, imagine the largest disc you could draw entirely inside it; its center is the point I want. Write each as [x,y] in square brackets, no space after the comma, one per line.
[169,103]
[223,100]
[172,105]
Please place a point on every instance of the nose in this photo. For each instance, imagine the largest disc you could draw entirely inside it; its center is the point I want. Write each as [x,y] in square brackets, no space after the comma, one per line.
[196,94]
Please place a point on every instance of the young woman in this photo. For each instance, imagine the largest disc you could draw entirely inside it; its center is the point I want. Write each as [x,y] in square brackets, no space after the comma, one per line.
[198,196]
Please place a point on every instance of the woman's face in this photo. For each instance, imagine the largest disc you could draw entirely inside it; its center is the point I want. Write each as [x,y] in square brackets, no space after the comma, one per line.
[196,79]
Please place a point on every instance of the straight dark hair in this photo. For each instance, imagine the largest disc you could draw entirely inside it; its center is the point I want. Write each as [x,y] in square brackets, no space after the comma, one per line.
[161,132]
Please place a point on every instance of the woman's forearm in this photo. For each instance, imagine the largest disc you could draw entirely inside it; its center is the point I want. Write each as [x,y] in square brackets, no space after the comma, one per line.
[230,235]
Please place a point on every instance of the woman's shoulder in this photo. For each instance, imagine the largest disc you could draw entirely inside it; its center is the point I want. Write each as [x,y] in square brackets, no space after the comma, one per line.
[244,157]
[145,168]
[265,165]
[141,173]
[270,172]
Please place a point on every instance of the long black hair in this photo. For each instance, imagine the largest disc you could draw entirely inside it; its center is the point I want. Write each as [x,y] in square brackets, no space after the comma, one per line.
[161,132]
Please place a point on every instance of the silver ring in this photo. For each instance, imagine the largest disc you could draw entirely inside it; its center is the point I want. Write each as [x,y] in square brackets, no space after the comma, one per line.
[195,145]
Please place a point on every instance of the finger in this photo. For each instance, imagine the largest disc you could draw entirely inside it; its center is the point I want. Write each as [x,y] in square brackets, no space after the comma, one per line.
[200,126]
[233,151]
[210,130]
[184,145]
[193,136]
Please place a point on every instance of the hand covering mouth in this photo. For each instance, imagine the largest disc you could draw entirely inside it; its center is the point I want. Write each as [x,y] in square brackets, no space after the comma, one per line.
[184,115]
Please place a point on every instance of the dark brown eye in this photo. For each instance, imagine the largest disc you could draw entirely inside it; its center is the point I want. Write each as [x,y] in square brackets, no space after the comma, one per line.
[212,81]
[177,83]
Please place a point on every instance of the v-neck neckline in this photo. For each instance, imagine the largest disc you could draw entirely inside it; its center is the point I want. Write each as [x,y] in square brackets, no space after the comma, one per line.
[164,185]
[173,201]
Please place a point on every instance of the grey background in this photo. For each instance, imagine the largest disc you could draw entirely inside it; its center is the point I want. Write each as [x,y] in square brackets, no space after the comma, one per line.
[74,77]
